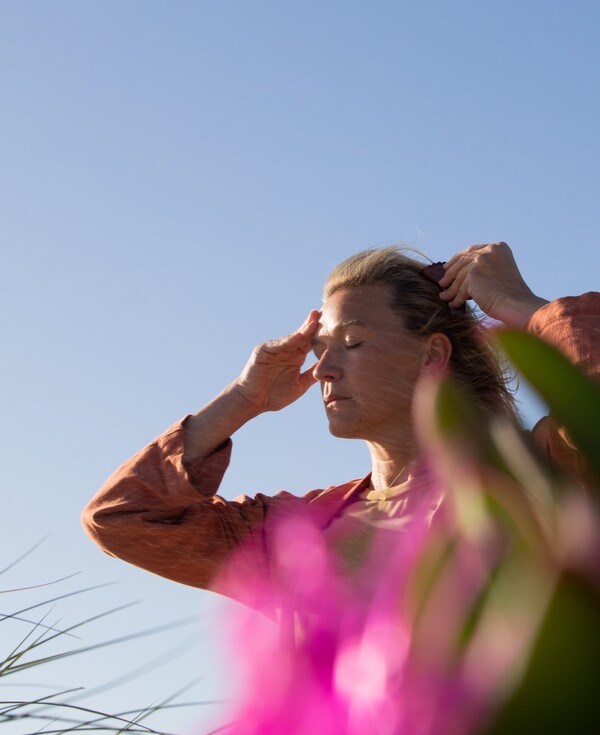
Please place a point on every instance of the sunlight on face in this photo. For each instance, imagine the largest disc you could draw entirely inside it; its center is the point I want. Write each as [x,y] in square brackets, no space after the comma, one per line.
[368,364]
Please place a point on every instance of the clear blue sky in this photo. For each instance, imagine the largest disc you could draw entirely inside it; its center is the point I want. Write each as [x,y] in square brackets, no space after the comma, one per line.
[177,180]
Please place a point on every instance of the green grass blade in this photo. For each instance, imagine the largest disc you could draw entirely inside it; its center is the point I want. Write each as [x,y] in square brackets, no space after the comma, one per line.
[573,398]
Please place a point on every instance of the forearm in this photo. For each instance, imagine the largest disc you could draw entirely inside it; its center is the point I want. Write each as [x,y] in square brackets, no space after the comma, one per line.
[216,422]
[517,312]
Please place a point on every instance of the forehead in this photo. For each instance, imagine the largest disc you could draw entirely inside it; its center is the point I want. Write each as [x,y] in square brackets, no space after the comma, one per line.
[368,306]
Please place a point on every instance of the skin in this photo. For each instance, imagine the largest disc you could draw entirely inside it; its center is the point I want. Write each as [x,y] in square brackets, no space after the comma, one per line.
[371,369]
[368,367]
[489,275]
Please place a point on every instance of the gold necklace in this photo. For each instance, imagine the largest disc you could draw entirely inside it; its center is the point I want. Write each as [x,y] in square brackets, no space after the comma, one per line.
[382,494]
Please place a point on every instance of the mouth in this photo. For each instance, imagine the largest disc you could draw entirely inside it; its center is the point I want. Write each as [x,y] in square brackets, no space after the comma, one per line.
[331,401]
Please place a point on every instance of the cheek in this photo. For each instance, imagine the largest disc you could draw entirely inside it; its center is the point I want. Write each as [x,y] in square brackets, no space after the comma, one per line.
[393,386]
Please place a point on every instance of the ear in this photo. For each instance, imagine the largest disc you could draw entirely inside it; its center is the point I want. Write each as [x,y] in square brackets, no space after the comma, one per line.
[436,353]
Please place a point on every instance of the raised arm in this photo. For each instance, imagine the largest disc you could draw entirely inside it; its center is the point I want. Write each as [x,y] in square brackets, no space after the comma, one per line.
[159,510]
[489,275]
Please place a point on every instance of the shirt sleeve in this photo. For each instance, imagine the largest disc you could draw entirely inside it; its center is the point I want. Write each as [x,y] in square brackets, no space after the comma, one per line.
[164,517]
[571,324]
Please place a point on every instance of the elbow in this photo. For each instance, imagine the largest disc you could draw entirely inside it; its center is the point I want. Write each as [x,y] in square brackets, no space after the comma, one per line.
[94,519]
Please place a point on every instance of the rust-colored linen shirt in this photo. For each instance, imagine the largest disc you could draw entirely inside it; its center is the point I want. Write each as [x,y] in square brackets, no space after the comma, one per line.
[165,517]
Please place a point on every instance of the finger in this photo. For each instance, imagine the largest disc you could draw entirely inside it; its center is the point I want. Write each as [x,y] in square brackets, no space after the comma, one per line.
[451,261]
[462,254]
[291,345]
[308,327]
[310,324]
[453,270]
[307,378]
[460,298]
[455,283]
[458,293]
[301,338]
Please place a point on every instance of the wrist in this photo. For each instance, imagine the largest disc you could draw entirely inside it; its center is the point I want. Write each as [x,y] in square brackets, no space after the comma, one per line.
[239,404]
[215,423]
[517,312]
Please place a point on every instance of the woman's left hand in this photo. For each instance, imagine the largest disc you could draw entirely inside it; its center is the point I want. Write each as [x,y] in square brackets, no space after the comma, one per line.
[489,275]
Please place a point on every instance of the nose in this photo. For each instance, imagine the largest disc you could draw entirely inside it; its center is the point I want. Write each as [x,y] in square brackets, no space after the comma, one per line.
[327,369]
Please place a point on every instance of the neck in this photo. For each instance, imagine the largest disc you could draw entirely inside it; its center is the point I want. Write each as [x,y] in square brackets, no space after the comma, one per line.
[390,464]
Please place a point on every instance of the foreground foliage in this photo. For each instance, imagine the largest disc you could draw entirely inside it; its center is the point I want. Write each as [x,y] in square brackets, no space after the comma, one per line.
[32,640]
[487,623]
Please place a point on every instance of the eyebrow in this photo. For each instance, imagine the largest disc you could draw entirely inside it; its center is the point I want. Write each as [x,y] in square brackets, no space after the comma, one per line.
[342,325]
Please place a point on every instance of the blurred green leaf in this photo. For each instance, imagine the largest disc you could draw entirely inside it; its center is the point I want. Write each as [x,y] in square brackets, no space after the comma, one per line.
[573,398]
[559,690]
[461,426]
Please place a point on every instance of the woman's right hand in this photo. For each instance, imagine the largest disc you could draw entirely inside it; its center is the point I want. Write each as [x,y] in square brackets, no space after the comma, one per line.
[273,378]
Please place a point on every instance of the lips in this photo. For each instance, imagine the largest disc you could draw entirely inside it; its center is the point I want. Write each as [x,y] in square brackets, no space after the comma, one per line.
[329,400]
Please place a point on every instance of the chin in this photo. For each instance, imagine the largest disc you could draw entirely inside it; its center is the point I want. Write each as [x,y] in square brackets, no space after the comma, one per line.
[344,430]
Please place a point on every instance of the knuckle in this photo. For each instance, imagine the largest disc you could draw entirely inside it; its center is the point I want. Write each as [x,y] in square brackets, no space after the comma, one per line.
[264,347]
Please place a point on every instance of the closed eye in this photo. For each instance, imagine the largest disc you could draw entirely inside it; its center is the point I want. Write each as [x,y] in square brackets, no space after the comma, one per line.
[353,346]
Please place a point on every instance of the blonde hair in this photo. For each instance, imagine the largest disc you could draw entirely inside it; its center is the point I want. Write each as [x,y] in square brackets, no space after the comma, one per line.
[475,363]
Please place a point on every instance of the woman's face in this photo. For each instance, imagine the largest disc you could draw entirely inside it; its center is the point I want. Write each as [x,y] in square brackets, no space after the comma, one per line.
[368,365]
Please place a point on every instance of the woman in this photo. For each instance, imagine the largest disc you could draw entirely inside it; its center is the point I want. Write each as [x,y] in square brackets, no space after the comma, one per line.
[386,324]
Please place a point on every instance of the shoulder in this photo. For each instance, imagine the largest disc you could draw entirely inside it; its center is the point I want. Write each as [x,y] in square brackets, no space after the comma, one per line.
[332,493]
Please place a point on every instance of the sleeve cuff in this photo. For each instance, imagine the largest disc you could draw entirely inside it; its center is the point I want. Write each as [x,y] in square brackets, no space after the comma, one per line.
[206,473]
